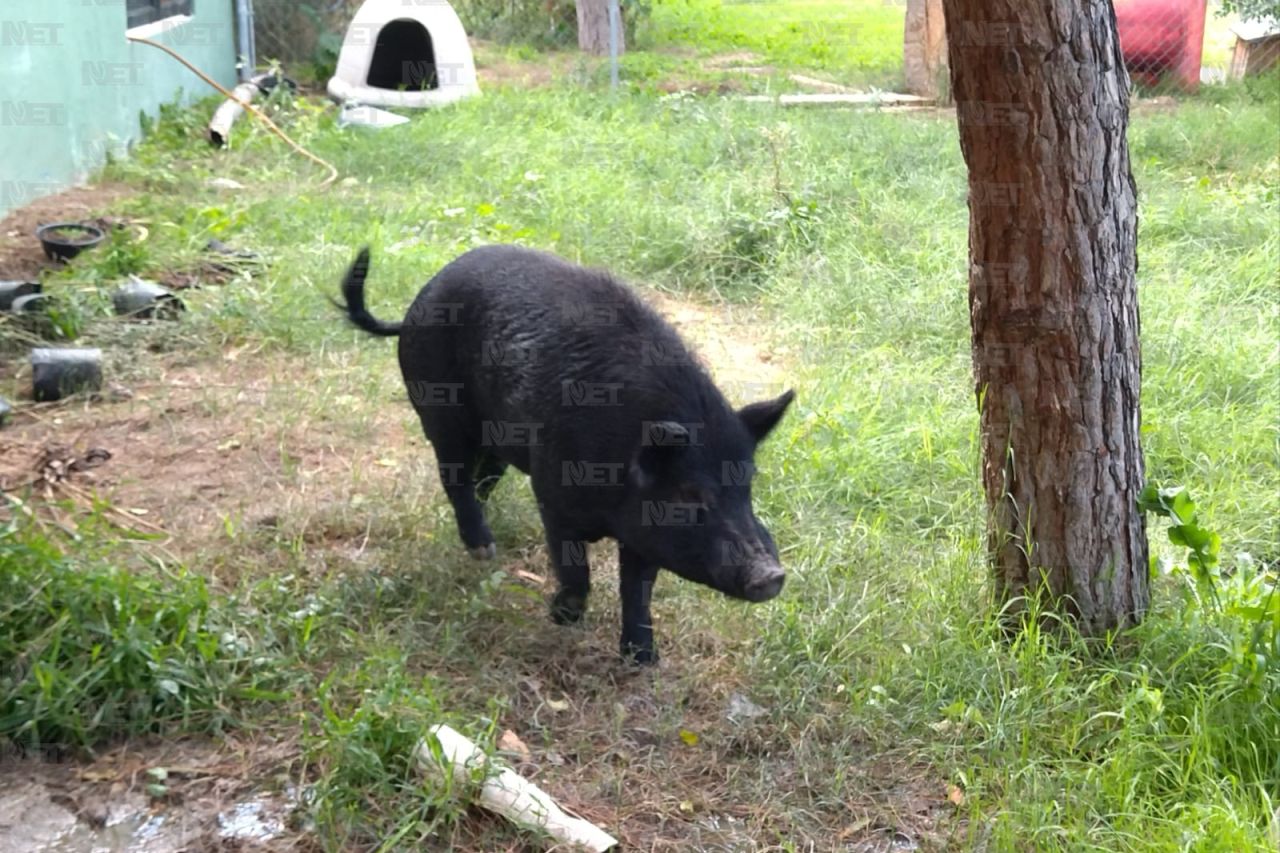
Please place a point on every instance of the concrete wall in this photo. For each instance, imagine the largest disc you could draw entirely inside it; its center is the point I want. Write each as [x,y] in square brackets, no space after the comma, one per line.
[72,88]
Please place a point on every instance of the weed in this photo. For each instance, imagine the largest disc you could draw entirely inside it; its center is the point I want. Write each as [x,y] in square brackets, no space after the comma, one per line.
[94,651]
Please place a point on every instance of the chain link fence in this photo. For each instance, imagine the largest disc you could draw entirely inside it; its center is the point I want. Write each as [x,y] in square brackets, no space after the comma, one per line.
[1177,45]
[1163,41]
[294,33]
[1167,44]
[309,34]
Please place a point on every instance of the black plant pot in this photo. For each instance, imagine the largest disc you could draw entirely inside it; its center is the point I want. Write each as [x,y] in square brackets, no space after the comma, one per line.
[11,290]
[30,303]
[141,298]
[57,373]
[62,241]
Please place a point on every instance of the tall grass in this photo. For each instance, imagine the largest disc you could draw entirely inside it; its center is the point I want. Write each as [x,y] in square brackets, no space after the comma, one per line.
[93,652]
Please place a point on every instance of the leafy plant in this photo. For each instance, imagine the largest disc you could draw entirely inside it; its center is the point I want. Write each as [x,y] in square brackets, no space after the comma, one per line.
[545,23]
[1251,9]
[1250,594]
[1203,545]
[91,651]
[328,42]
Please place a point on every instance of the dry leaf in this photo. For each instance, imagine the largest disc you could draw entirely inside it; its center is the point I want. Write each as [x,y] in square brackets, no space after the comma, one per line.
[510,742]
[856,827]
[955,795]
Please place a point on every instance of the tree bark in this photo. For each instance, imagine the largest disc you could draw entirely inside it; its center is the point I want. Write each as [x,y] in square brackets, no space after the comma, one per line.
[924,49]
[593,27]
[1042,100]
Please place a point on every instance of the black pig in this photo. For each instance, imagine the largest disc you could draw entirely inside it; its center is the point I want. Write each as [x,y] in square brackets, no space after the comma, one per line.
[515,357]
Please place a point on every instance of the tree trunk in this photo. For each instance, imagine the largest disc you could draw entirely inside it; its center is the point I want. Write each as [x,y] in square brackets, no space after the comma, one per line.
[593,27]
[1042,99]
[924,49]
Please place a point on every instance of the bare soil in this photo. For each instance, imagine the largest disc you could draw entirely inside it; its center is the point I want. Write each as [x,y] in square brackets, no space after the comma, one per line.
[21,256]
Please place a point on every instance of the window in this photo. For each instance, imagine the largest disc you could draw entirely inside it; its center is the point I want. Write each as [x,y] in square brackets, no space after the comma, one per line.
[149,11]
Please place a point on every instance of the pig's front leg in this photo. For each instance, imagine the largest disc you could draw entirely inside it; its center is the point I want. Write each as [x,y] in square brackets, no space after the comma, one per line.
[636,577]
[569,559]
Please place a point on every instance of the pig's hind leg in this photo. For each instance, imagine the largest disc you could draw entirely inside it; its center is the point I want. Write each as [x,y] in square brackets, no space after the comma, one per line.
[458,462]
[489,471]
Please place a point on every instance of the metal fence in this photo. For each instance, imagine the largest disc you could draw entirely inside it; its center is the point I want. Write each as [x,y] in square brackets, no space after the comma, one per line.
[1163,41]
[1167,44]
[293,32]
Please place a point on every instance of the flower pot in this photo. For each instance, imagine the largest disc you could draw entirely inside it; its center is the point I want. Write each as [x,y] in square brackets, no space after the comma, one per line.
[58,373]
[62,241]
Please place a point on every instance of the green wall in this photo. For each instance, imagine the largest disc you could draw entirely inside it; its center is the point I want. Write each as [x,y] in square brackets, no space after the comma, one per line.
[72,87]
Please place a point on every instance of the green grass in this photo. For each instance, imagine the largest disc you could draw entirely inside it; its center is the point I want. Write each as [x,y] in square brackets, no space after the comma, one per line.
[857,41]
[885,674]
[95,651]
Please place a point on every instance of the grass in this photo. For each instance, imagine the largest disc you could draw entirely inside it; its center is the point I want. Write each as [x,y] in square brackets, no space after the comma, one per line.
[860,41]
[98,651]
[894,703]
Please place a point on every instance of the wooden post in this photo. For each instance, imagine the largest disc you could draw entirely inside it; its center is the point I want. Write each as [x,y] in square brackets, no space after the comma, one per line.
[924,50]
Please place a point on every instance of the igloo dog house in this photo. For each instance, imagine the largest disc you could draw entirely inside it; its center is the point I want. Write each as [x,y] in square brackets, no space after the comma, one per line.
[404,53]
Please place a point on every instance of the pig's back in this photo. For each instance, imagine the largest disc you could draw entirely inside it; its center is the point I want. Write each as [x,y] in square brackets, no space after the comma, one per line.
[554,323]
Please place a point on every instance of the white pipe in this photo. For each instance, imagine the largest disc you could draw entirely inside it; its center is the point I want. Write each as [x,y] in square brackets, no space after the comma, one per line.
[508,793]
[228,111]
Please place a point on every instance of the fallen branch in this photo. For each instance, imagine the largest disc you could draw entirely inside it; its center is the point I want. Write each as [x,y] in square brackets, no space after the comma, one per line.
[824,85]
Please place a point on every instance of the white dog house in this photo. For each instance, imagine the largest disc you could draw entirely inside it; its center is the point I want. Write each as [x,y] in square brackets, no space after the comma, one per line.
[404,53]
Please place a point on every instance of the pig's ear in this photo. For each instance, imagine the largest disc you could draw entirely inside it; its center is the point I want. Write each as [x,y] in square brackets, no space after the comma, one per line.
[760,418]
[661,444]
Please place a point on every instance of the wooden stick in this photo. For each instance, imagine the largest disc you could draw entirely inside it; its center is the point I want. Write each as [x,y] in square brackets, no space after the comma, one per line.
[851,99]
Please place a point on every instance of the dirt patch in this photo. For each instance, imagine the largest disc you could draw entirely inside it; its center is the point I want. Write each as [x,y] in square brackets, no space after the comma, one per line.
[700,87]
[733,342]
[21,256]
[196,447]
[494,67]
[729,60]
[191,448]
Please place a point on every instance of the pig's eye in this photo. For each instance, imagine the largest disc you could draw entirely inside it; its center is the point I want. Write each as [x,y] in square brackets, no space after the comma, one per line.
[694,495]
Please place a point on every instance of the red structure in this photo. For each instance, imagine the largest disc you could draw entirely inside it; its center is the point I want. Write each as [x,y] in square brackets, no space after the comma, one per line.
[1162,37]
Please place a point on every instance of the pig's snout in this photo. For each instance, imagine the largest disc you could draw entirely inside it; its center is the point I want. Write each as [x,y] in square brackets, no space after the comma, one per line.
[764,584]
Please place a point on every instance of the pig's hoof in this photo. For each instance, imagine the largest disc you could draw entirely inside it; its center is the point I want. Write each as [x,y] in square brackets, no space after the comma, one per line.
[567,608]
[640,655]
[483,552]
